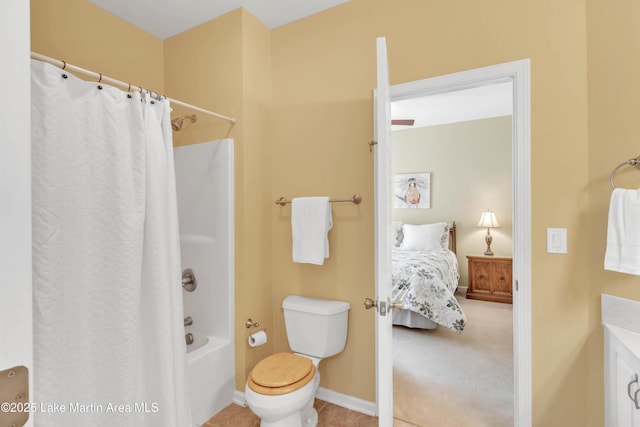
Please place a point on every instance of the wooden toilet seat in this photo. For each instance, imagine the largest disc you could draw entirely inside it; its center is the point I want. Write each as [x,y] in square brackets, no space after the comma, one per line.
[281,373]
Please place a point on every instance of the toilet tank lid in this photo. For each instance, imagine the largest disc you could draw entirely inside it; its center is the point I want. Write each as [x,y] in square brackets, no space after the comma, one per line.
[314,305]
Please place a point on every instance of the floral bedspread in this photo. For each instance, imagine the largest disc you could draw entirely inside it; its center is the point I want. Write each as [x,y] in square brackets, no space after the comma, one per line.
[425,282]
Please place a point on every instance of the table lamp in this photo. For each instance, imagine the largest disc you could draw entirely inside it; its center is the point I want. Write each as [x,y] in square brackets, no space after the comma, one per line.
[488,220]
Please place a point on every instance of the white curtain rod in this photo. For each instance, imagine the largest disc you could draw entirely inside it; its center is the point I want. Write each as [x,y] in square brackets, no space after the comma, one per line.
[120,84]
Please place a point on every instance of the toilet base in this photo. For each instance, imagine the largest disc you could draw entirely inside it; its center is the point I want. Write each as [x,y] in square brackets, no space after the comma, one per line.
[292,420]
[309,417]
[291,410]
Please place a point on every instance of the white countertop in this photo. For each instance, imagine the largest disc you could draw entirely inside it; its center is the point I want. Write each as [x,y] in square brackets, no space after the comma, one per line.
[621,317]
[628,338]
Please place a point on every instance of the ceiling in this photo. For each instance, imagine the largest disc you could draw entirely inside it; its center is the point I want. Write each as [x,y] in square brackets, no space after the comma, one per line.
[470,104]
[166,18]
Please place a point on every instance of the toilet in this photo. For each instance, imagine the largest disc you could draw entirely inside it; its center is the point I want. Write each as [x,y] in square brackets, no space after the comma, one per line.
[281,388]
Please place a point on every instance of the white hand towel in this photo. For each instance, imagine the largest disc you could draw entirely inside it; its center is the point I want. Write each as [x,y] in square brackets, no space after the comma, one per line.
[310,224]
[623,233]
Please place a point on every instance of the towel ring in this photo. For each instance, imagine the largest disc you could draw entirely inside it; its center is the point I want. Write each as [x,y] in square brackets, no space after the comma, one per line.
[633,162]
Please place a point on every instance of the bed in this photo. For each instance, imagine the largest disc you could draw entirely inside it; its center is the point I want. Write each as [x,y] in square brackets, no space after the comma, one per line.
[425,276]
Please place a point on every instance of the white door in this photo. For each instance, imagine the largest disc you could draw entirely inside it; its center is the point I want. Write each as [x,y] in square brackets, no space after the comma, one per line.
[15,191]
[383,191]
[519,73]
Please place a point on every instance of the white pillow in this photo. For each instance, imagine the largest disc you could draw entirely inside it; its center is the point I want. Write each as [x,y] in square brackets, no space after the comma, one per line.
[396,237]
[425,237]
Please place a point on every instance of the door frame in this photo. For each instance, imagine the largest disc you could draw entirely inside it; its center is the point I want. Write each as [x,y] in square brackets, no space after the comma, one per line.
[15,191]
[518,72]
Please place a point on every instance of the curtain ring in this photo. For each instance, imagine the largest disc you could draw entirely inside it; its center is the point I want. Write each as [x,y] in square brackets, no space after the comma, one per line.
[64,65]
[99,81]
[129,89]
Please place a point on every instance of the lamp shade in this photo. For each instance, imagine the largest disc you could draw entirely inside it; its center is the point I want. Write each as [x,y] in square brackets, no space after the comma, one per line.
[488,220]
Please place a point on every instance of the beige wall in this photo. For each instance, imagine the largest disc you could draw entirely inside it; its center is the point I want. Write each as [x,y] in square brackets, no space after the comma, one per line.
[305,133]
[82,34]
[614,107]
[322,118]
[224,65]
[320,124]
[470,166]
[194,73]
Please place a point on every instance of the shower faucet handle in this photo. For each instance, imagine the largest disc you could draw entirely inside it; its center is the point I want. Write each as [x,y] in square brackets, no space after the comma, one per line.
[189,282]
[188,321]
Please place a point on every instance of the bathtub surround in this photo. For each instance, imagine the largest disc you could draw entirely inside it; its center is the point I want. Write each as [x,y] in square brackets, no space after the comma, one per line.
[204,176]
[108,319]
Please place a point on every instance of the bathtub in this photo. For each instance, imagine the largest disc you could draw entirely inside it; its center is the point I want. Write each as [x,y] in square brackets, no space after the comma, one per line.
[204,184]
[210,376]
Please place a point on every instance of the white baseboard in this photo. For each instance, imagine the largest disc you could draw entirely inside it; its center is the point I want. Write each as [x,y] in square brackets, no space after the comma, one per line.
[344,400]
[238,398]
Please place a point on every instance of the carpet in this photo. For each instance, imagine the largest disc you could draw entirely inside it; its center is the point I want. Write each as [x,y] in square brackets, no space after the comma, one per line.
[443,379]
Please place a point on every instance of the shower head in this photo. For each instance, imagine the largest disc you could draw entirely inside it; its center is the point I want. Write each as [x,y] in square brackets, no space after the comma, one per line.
[176,124]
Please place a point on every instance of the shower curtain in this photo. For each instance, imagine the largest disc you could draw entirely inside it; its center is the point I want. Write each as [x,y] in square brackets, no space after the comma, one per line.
[109,344]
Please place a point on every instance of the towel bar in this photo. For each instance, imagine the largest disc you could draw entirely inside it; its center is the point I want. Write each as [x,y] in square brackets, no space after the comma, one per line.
[356,200]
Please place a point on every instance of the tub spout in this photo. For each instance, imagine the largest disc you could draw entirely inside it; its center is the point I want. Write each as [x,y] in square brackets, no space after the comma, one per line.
[188,321]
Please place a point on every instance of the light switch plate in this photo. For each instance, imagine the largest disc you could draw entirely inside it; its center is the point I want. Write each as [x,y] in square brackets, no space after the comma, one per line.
[557,240]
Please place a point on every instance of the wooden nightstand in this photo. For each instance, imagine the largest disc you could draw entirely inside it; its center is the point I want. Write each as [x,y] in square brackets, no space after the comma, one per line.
[490,279]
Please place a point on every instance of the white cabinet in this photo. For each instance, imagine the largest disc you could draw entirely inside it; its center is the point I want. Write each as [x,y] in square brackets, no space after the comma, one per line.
[621,321]
[622,373]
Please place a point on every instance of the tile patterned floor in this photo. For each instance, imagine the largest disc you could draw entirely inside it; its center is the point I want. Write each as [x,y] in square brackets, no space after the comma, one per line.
[329,415]
[397,422]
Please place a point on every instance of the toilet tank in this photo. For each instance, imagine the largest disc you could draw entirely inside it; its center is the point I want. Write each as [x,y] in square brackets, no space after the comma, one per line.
[315,327]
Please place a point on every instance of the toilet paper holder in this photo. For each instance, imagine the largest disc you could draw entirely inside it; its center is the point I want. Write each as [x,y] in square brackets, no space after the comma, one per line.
[251,324]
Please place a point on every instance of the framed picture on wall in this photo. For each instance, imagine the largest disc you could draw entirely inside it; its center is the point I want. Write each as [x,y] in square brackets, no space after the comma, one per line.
[412,190]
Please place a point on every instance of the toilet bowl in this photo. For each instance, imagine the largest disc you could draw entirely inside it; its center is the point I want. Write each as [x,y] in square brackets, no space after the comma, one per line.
[281,388]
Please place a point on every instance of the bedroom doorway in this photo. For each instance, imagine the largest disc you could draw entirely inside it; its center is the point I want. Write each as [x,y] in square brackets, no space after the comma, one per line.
[463,141]
[516,73]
